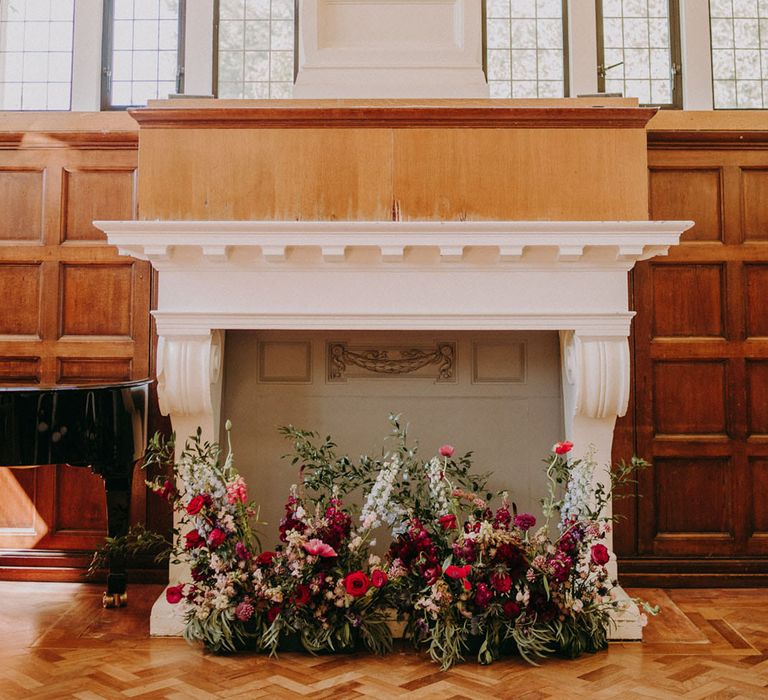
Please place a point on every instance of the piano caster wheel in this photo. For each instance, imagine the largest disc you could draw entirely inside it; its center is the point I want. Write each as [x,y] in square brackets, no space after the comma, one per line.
[114,600]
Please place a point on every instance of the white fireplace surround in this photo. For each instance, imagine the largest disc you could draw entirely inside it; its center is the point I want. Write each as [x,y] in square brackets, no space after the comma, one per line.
[568,276]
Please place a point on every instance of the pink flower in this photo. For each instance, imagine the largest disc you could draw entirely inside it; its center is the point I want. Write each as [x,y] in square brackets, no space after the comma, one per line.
[562,448]
[244,611]
[446,451]
[216,538]
[236,491]
[525,521]
[318,548]
[600,554]
[241,551]
[173,594]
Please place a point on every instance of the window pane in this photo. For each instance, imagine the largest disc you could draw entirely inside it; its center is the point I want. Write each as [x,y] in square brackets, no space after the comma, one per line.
[256,46]
[637,53]
[739,53]
[36,54]
[145,46]
[525,48]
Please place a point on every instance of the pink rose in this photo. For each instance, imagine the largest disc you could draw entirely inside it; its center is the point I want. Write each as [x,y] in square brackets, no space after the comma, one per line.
[562,448]
[446,451]
[600,554]
[318,548]
[216,538]
[173,594]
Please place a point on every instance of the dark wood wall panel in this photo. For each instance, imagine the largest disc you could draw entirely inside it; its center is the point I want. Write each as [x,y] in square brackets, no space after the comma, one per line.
[74,311]
[700,379]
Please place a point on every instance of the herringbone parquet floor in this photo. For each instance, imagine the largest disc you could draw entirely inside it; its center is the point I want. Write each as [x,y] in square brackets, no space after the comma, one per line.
[57,642]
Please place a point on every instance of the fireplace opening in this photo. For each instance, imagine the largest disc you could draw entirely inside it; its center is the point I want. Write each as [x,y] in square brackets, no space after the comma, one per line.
[497,394]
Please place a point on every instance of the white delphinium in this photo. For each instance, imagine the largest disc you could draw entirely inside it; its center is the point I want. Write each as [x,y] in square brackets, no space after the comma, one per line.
[378,508]
[579,492]
[439,489]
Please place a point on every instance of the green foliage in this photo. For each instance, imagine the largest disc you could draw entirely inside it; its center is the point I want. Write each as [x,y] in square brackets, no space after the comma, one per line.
[137,541]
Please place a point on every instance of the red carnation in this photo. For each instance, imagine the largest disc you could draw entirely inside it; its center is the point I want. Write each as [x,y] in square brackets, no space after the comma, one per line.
[563,448]
[216,538]
[378,578]
[525,521]
[193,540]
[454,571]
[600,554]
[447,521]
[195,505]
[173,594]
[302,594]
[356,583]
[511,609]
[265,558]
[501,582]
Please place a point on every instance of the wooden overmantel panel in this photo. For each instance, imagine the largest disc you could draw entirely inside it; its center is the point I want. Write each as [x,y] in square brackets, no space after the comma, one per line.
[385,159]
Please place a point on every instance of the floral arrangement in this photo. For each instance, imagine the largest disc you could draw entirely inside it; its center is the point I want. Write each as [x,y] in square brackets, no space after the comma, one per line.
[467,577]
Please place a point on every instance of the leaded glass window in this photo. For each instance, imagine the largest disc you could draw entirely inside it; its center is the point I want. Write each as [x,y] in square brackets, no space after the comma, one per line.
[639,47]
[739,53]
[143,51]
[525,53]
[36,54]
[256,49]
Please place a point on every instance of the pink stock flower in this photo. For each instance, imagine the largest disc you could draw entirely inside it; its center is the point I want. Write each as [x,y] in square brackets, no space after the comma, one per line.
[446,451]
[237,491]
[562,448]
[318,548]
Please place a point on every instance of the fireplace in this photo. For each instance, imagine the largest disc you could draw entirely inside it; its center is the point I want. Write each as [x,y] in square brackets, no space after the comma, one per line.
[563,276]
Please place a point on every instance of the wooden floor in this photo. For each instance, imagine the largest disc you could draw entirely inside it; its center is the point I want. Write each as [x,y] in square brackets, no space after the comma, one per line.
[57,642]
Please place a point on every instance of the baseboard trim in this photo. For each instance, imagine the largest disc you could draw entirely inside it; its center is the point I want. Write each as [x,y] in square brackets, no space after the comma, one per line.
[665,572]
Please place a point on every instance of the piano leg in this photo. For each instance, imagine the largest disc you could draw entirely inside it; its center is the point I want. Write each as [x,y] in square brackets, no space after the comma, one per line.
[118,513]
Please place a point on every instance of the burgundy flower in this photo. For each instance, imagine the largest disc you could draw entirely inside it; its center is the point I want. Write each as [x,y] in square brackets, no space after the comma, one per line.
[216,538]
[302,594]
[193,540]
[483,596]
[446,451]
[503,518]
[356,583]
[562,448]
[511,609]
[166,491]
[198,574]
[560,566]
[196,505]
[241,551]
[265,558]
[272,613]
[378,578]
[173,594]
[447,521]
[600,554]
[501,582]
[432,574]
[525,521]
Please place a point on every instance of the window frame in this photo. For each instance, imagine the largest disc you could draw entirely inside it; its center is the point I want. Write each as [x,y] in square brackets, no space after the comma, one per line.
[107,43]
[675,49]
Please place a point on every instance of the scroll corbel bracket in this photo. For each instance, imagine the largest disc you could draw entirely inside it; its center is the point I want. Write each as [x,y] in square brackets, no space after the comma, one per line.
[596,374]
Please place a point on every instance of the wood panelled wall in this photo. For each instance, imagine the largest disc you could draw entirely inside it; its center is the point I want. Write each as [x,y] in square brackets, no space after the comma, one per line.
[73,311]
[701,369]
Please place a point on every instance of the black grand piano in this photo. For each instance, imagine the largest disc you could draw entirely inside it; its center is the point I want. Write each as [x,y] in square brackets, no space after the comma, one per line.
[102,427]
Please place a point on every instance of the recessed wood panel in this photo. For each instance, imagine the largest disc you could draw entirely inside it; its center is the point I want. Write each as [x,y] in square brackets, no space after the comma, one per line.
[689,194]
[94,195]
[19,370]
[81,370]
[80,502]
[692,495]
[21,204]
[285,362]
[498,363]
[758,469]
[20,295]
[688,300]
[757,398]
[755,204]
[96,299]
[689,398]
[756,299]
[17,504]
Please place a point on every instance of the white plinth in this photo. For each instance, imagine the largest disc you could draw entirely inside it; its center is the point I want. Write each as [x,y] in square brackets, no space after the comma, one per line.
[626,623]
[166,620]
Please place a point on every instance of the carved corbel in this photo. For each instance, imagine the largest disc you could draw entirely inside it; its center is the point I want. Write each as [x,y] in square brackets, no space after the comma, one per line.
[595,374]
[188,368]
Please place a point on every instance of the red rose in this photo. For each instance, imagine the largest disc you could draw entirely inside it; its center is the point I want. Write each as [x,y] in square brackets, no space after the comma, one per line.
[447,521]
[563,448]
[378,578]
[356,583]
[446,451]
[216,538]
[511,609]
[265,558]
[501,582]
[195,505]
[173,594]
[272,613]
[193,540]
[302,594]
[453,571]
[600,554]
